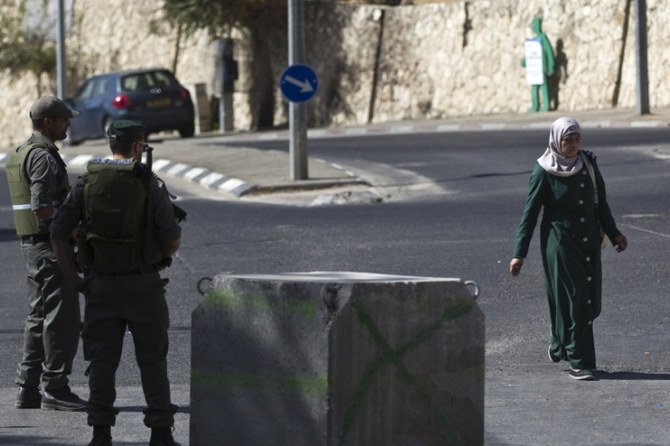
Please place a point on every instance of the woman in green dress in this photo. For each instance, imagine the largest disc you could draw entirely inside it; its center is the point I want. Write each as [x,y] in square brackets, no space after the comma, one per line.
[567,185]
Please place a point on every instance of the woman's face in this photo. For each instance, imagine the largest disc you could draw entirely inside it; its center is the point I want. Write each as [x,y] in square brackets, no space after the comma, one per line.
[571,144]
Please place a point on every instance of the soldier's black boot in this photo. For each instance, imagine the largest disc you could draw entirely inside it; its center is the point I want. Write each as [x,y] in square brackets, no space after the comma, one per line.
[101,436]
[62,399]
[162,436]
[28,398]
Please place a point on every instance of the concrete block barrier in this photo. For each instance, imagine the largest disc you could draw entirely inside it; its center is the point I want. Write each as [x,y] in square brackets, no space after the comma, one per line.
[337,358]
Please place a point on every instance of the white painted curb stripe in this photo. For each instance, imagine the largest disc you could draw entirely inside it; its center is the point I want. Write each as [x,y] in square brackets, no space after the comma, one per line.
[194,172]
[177,168]
[231,184]
[160,163]
[401,129]
[447,127]
[494,126]
[645,124]
[355,131]
[210,179]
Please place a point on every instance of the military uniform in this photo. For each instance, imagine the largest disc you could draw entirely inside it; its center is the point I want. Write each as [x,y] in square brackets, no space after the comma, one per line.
[125,219]
[37,178]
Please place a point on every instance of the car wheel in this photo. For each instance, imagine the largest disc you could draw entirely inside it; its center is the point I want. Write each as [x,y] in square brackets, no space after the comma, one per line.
[188,130]
[69,141]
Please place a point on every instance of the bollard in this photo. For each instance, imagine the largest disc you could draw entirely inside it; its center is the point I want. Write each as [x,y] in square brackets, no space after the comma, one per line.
[337,358]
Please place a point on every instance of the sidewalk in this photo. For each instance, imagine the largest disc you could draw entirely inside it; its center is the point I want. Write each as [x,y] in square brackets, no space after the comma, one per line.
[244,171]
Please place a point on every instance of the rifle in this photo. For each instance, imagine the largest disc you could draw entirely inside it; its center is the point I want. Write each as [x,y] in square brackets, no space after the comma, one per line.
[179,213]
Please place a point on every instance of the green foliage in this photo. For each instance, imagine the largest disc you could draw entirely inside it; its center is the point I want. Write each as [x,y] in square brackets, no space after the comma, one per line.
[218,17]
[22,49]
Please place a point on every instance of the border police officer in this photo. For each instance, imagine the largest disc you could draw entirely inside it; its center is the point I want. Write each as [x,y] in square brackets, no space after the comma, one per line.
[127,233]
[38,183]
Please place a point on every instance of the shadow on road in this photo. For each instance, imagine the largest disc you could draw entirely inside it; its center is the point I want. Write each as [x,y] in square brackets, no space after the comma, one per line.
[8,235]
[26,440]
[181,409]
[632,376]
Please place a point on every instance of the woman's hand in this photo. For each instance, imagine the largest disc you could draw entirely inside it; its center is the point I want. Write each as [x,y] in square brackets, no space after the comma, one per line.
[515,266]
[620,242]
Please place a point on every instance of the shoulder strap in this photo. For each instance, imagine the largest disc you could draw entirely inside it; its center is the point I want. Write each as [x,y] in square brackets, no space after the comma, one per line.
[592,174]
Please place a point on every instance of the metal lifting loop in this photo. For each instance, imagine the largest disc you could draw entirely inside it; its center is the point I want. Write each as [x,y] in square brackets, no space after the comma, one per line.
[203,286]
[475,287]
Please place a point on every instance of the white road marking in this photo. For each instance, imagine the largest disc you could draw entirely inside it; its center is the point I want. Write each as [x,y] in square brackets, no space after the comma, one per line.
[648,231]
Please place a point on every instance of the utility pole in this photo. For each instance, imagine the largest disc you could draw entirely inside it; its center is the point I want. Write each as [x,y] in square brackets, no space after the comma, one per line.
[641,59]
[297,111]
[60,49]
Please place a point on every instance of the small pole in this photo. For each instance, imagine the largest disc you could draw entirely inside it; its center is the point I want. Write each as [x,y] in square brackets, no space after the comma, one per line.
[297,111]
[60,50]
[641,57]
[223,49]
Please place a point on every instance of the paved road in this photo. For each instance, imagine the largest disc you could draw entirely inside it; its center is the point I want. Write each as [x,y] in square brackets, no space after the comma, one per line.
[466,192]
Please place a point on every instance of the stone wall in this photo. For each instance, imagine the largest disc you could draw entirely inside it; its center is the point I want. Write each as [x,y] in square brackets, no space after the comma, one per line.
[461,58]
[341,44]
[377,64]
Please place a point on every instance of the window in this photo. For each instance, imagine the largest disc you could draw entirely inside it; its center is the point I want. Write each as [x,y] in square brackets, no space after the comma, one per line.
[101,87]
[135,82]
[162,79]
[86,91]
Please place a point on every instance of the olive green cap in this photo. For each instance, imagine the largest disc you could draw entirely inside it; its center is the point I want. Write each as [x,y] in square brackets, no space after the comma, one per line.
[125,129]
[51,107]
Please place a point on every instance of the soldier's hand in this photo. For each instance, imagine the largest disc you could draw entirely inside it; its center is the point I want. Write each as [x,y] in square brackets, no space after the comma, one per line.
[164,263]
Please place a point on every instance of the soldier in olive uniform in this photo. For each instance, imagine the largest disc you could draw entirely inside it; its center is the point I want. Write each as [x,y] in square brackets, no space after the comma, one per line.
[127,233]
[38,183]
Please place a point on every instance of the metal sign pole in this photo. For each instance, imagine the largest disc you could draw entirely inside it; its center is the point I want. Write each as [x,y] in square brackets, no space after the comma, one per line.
[60,50]
[641,53]
[297,111]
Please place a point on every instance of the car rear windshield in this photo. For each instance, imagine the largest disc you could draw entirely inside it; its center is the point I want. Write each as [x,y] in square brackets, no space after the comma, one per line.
[147,81]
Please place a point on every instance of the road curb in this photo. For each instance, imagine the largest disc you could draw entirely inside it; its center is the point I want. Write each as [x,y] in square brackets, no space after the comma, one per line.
[220,182]
[446,127]
[239,188]
[199,175]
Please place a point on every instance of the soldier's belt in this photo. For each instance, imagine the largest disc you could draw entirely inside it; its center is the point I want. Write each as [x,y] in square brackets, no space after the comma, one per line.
[36,238]
[138,270]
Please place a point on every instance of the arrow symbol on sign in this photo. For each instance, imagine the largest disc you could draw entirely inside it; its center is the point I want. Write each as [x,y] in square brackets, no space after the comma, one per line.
[305,87]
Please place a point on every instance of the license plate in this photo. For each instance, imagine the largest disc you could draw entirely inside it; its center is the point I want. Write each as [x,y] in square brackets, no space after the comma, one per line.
[161,102]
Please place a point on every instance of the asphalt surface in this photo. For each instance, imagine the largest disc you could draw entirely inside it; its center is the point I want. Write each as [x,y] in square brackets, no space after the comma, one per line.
[241,171]
[245,173]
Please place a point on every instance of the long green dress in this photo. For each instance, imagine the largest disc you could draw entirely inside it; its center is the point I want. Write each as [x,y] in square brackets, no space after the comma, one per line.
[570,241]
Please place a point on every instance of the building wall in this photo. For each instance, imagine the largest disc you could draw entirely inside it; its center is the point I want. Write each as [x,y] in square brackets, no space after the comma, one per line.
[376,63]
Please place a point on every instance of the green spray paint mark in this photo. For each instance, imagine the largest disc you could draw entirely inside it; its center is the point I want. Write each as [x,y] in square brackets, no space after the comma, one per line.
[311,386]
[395,357]
[257,302]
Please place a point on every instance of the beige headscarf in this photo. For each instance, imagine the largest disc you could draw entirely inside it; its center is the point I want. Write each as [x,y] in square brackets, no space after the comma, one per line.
[553,160]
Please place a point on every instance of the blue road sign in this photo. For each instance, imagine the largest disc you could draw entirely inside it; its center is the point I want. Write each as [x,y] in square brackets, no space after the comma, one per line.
[298,83]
